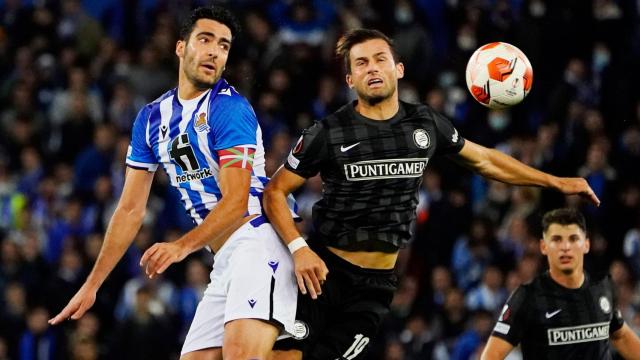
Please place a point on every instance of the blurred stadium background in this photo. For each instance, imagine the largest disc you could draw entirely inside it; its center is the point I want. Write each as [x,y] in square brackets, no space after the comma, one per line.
[74,73]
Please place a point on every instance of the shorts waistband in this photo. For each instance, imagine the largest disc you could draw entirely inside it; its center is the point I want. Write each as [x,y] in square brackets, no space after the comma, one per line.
[336,260]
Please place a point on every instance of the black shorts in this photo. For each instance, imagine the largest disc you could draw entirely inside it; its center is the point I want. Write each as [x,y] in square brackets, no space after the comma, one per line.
[345,318]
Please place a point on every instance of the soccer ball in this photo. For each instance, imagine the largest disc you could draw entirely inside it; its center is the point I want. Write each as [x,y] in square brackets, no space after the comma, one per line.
[499,75]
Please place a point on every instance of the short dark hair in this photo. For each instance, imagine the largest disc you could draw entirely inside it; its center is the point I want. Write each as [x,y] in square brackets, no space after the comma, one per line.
[217,13]
[358,36]
[564,216]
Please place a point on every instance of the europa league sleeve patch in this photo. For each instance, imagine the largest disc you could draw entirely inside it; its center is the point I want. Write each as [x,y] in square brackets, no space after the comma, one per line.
[237,156]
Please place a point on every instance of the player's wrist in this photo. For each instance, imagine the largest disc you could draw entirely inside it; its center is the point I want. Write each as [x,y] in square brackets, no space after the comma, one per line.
[297,244]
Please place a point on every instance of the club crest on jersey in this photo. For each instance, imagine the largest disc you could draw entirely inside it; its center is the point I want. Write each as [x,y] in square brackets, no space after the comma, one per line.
[421,138]
[201,122]
[605,305]
[300,330]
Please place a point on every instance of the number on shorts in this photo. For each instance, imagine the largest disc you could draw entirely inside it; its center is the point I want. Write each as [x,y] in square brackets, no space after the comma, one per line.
[356,348]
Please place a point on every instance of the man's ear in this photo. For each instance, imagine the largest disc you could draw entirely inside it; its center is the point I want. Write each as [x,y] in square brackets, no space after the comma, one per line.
[543,247]
[587,245]
[349,81]
[180,48]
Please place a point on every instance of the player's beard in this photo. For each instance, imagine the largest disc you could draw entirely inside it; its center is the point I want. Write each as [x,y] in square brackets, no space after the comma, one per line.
[375,99]
[567,271]
[199,81]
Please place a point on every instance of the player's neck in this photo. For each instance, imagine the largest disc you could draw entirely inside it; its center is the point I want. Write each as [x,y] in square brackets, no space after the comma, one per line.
[186,89]
[571,281]
[384,110]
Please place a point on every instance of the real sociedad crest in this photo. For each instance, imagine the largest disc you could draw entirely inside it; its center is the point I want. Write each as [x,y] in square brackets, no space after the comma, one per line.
[201,122]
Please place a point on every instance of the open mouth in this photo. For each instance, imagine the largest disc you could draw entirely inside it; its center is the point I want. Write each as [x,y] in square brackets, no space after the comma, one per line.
[209,67]
[375,82]
[565,259]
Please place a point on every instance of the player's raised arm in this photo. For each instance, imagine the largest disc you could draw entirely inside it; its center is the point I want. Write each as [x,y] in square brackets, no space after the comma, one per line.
[626,343]
[310,270]
[234,181]
[120,233]
[495,165]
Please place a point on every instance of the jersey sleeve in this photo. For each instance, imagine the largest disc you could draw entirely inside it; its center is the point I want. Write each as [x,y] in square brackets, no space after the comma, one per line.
[448,139]
[309,153]
[616,319]
[233,123]
[139,154]
[512,321]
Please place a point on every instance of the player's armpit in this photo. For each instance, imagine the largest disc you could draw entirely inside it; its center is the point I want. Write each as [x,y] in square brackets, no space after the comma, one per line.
[496,348]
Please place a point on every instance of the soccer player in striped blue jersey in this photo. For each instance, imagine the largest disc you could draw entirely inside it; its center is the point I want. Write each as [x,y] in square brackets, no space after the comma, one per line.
[207,139]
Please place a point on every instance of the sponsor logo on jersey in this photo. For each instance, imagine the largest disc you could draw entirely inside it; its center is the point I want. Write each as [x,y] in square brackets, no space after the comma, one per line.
[605,305]
[421,138]
[502,328]
[300,330]
[163,132]
[454,137]
[201,123]
[252,302]
[194,175]
[578,334]
[293,161]
[385,169]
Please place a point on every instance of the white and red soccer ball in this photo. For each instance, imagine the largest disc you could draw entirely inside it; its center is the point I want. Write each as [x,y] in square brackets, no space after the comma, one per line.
[499,75]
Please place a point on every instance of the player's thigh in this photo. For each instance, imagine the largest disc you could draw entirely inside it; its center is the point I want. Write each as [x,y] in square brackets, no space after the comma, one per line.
[204,354]
[347,337]
[248,339]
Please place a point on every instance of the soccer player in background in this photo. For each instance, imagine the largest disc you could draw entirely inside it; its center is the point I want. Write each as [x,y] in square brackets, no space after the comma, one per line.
[563,313]
[207,138]
[371,155]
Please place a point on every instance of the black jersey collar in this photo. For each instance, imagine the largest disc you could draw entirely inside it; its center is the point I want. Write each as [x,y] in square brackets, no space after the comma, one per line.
[395,118]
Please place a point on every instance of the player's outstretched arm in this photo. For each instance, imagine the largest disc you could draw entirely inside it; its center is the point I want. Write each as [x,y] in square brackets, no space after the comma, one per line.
[226,216]
[495,165]
[310,270]
[123,226]
[626,342]
[496,349]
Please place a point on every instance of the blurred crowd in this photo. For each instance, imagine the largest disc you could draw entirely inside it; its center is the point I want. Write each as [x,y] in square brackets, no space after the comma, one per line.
[74,73]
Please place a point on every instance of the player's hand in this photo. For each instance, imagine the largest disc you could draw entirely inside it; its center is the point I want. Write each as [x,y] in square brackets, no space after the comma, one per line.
[160,256]
[311,271]
[82,301]
[577,186]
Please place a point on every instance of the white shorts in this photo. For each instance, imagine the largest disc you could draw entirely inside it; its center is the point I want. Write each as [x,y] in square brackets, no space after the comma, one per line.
[252,278]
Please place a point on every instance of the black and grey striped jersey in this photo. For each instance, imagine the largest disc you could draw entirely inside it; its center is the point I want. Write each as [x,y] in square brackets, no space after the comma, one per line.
[550,321]
[371,171]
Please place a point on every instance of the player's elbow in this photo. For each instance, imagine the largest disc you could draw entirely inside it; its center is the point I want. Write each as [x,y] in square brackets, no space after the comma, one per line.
[132,212]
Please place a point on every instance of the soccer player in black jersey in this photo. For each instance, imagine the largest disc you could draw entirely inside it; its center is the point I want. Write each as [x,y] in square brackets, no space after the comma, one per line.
[564,313]
[371,155]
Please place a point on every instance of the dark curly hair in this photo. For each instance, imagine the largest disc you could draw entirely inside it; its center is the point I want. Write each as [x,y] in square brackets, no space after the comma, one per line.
[217,13]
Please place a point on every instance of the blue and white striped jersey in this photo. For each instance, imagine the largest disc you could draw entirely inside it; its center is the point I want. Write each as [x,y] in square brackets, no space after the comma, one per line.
[184,136]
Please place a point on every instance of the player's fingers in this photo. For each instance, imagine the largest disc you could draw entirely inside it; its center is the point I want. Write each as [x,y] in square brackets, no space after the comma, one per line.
[313,276]
[319,272]
[153,262]
[78,313]
[165,264]
[147,254]
[310,286]
[300,281]
[64,314]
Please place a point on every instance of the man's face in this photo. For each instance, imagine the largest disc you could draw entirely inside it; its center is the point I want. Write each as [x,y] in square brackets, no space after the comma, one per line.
[565,246]
[374,74]
[203,56]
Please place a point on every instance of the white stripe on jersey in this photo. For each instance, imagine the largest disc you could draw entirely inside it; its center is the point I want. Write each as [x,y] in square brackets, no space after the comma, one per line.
[208,199]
